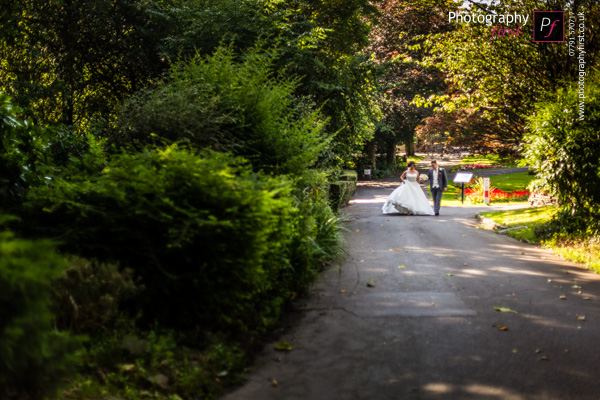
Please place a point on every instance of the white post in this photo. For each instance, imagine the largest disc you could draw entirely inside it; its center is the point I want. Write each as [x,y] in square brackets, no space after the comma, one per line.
[486,191]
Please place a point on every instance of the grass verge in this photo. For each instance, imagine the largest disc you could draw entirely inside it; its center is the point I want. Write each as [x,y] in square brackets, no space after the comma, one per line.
[489,159]
[574,249]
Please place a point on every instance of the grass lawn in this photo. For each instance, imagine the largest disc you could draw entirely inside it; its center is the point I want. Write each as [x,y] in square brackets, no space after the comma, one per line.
[488,159]
[529,217]
[511,182]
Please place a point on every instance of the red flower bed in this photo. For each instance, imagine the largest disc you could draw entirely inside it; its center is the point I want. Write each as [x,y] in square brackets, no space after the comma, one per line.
[498,195]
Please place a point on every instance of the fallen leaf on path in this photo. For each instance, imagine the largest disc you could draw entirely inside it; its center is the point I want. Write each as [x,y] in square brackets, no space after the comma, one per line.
[274,383]
[515,351]
[432,304]
[501,327]
[503,309]
[464,236]
[544,358]
[449,274]
[343,291]
[549,280]
[585,298]
[466,264]
[563,297]
[581,318]
[576,287]
[388,297]
[402,266]
[397,249]
[283,346]
[537,351]
[371,282]
[358,230]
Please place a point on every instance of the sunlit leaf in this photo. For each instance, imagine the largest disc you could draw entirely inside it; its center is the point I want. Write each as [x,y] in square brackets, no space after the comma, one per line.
[503,309]
[283,346]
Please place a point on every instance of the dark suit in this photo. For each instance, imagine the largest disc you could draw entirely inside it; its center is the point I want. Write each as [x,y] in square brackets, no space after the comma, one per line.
[436,193]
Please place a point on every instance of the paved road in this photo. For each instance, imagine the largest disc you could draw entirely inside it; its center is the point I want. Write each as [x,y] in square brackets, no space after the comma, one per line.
[428,329]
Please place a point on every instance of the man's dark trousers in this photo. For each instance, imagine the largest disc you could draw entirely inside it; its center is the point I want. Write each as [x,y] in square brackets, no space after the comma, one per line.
[436,194]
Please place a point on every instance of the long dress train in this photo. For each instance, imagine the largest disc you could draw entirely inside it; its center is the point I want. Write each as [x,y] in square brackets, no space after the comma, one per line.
[408,198]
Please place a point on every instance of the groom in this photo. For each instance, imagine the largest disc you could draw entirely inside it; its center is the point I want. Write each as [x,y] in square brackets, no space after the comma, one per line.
[438,183]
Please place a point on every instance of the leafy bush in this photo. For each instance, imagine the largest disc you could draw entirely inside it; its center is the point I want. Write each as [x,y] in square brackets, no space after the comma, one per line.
[132,365]
[34,357]
[22,145]
[228,104]
[316,237]
[88,295]
[208,237]
[563,147]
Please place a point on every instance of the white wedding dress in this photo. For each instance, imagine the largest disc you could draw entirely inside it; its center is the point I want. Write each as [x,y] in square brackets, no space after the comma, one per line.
[408,198]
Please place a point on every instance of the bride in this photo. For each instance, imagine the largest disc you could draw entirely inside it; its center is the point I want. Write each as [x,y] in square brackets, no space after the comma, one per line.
[409,197]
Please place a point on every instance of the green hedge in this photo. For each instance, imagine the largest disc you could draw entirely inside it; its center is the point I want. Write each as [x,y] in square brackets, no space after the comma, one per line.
[209,238]
[341,191]
[34,357]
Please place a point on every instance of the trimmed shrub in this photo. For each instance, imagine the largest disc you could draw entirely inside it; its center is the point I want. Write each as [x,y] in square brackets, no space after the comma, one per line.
[209,238]
[34,357]
[88,295]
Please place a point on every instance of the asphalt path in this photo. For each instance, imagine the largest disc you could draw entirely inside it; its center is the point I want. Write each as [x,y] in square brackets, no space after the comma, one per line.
[411,313]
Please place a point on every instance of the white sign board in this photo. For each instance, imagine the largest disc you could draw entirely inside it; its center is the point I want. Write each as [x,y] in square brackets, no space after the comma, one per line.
[463,177]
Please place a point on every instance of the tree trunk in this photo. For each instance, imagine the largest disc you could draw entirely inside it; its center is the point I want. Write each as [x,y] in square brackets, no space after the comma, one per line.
[370,150]
[391,154]
[410,148]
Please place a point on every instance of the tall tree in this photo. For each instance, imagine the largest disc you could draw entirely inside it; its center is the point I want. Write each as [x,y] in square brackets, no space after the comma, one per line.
[70,61]
[397,46]
[500,79]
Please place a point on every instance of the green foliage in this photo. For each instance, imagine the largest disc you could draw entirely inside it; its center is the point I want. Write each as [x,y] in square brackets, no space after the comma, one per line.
[228,105]
[34,357]
[88,296]
[133,365]
[340,193]
[21,147]
[204,232]
[563,147]
[317,237]
[490,96]
[72,61]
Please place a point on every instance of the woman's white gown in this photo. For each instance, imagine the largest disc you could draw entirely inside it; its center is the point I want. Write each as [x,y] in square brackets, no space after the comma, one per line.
[408,198]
